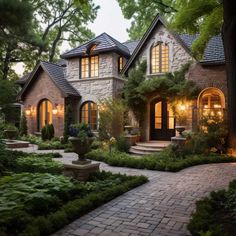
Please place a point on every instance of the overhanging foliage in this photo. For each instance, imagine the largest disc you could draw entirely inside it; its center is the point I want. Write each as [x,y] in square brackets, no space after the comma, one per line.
[172,86]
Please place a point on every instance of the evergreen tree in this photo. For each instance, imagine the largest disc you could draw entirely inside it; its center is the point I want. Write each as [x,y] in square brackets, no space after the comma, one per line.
[23,125]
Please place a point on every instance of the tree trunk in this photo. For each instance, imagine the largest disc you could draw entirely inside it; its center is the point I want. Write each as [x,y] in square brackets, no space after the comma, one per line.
[5,65]
[229,39]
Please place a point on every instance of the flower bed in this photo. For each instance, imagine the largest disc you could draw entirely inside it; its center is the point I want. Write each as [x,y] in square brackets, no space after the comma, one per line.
[164,161]
[215,215]
[40,203]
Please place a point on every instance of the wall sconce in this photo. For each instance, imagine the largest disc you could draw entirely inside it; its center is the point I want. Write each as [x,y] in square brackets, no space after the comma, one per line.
[28,111]
[182,107]
[55,110]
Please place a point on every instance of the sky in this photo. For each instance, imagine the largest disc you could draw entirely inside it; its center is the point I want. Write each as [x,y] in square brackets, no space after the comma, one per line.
[109,19]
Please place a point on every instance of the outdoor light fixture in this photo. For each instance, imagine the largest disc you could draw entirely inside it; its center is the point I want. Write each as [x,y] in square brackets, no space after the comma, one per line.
[55,110]
[182,107]
[28,111]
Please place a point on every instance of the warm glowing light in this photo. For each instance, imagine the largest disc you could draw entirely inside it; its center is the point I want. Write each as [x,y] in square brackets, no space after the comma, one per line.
[28,112]
[182,107]
[54,111]
[205,106]
[217,106]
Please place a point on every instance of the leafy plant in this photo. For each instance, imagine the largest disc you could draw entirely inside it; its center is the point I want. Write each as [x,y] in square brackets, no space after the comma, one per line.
[81,131]
[67,122]
[122,145]
[47,132]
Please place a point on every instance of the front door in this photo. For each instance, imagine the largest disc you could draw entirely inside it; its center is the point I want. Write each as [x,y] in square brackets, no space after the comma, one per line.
[162,120]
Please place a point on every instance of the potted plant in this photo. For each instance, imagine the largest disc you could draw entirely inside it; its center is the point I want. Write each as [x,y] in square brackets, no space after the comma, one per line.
[81,139]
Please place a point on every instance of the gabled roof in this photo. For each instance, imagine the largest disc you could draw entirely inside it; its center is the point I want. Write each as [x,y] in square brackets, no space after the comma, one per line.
[213,54]
[104,43]
[23,79]
[56,74]
[131,45]
[214,51]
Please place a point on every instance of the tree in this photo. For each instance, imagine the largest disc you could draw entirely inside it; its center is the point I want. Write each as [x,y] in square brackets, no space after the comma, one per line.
[16,32]
[59,21]
[23,125]
[142,13]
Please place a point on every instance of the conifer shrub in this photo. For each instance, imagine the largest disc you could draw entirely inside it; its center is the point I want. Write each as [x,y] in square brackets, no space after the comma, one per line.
[23,130]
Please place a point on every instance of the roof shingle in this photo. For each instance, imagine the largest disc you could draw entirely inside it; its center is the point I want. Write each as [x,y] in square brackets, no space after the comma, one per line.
[104,42]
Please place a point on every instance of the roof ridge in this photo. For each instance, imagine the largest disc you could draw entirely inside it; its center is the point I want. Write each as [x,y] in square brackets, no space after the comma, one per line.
[50,63]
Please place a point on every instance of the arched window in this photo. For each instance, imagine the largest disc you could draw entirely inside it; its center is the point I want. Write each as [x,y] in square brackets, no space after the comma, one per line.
[159,58]
[44,113]
[211,102]
[88,113]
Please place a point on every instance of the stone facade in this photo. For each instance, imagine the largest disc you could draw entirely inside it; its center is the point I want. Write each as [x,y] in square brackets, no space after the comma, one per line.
[44,88]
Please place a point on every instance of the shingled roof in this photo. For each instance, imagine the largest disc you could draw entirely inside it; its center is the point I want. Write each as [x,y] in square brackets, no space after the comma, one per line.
[213,53]
[56,74]
[104,43]
[131,45]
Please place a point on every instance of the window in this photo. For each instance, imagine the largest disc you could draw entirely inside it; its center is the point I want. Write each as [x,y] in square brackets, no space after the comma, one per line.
[120,64]
[44,113]
[89,67]
[159,58]
[89,114]
[211,102]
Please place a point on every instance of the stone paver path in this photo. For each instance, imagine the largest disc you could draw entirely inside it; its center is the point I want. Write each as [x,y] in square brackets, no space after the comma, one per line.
[162,207]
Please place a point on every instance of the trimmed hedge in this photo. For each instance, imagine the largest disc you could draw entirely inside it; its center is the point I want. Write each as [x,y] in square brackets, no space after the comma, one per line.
[101,188]
[215,215]
[162,161]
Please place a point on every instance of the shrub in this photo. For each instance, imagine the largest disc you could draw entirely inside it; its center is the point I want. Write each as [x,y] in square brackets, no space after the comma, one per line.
[122,145]
[165,160]
[68,121]
[111,119]
[215,215]
[38,165]
[23,130]
[47,132]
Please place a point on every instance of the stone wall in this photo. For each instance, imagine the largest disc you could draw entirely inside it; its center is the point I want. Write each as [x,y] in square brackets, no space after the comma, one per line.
[178,55]
[108,67]
[44,88]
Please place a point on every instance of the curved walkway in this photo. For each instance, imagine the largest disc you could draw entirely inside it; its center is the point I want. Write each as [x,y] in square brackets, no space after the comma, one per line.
[162,207]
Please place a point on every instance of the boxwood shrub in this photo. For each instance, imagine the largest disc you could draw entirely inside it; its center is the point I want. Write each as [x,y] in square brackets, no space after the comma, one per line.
[40,204]
[215,215]
[164,161]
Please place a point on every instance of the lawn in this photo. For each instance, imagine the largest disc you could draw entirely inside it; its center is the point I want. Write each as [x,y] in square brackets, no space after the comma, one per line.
[37,199]
[164,161]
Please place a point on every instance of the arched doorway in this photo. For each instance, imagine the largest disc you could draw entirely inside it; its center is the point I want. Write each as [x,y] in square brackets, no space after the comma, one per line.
[44,113]
[89,114]
[162,121]
[211,102]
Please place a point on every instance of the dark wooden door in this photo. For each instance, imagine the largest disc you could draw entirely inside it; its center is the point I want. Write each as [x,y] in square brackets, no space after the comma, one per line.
[162,122]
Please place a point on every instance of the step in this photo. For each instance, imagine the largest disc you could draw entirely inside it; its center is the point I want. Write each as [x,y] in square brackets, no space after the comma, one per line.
[139,153]
[147,149]
[153,144]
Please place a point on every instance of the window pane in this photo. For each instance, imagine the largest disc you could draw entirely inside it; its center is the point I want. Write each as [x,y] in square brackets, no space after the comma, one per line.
[164,58]
[85,67]
[170,117]
[155,57]
[94,66]
[158,115]
[45,113]
[89,114]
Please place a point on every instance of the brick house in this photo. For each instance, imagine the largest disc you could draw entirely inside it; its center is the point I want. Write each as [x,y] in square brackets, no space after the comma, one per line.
[97,69]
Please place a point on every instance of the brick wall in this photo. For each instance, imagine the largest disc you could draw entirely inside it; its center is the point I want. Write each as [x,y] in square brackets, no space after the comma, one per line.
[44,88]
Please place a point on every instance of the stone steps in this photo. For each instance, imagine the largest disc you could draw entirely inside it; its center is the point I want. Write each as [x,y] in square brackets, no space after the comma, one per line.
[147,148]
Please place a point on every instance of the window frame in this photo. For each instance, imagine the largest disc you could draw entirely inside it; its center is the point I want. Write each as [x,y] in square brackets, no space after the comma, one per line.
[89,67]
[160,69]
[89,113]
[46,101]
[119,67]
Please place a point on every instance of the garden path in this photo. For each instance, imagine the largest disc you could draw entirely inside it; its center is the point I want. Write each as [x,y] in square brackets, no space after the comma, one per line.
[161,207]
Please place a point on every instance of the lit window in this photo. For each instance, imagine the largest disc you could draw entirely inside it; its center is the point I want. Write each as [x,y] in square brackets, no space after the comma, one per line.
[211,103]
[89,114]
[159,58]
[85,67]
[89,67]
[44,113]
[120,64]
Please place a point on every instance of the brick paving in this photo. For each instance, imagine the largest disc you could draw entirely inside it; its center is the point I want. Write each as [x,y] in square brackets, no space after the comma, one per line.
[161,207]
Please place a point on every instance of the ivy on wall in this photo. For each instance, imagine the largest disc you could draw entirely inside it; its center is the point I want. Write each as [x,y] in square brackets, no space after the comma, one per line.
[172,86]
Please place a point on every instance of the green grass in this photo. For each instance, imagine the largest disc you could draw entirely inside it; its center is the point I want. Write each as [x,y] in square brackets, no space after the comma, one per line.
[164,161]
[215,215]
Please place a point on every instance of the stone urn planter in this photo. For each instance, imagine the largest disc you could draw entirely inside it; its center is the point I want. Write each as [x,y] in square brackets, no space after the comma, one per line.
[81,147]
[180,129]
[10,134]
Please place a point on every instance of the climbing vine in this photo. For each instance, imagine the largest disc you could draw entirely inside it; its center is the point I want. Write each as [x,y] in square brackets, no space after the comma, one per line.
[172,86]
